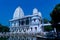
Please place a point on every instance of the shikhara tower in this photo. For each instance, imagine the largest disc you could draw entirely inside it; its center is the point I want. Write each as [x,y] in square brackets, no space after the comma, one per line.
[29,24]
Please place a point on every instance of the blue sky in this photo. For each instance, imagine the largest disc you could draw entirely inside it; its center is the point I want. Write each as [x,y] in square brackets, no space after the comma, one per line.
[7,8]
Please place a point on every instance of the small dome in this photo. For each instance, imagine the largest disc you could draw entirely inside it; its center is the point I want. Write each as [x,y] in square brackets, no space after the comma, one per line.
[39,13]
[18,13]
[35,11]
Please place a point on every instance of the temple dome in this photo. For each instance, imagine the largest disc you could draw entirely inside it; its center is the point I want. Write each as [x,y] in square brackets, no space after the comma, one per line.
[36,12]
[39,13]
[18,13]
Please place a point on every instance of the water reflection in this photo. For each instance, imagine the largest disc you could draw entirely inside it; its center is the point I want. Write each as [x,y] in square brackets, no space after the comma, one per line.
[21,38]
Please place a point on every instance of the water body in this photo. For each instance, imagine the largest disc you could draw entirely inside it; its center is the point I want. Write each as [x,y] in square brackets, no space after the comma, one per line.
[20,38]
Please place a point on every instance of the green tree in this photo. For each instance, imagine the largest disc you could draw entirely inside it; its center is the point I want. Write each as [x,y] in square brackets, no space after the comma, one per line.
[47,28]
[45,20]
[4,28]
[55,18]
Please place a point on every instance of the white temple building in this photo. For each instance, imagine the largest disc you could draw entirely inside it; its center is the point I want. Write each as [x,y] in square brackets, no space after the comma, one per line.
[29,24]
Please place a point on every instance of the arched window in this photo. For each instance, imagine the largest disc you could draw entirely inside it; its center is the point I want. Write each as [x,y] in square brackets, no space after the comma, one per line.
[22,22]
[27,22]
[35,28]
[24,30]
[27,28]
[31,28]
[34,20]
[16,29]
[20,29]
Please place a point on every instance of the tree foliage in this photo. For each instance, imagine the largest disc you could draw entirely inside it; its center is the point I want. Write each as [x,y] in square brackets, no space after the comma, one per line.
[45,20]
[4,28]
[48,28]
[55,17]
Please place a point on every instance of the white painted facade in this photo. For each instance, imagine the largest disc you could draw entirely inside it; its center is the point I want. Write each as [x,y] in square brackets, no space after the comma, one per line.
[29,24]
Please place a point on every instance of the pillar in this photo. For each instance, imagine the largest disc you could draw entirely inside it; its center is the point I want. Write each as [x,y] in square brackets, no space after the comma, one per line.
[17,23]
[24,21]
[29,21]
[20,22]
